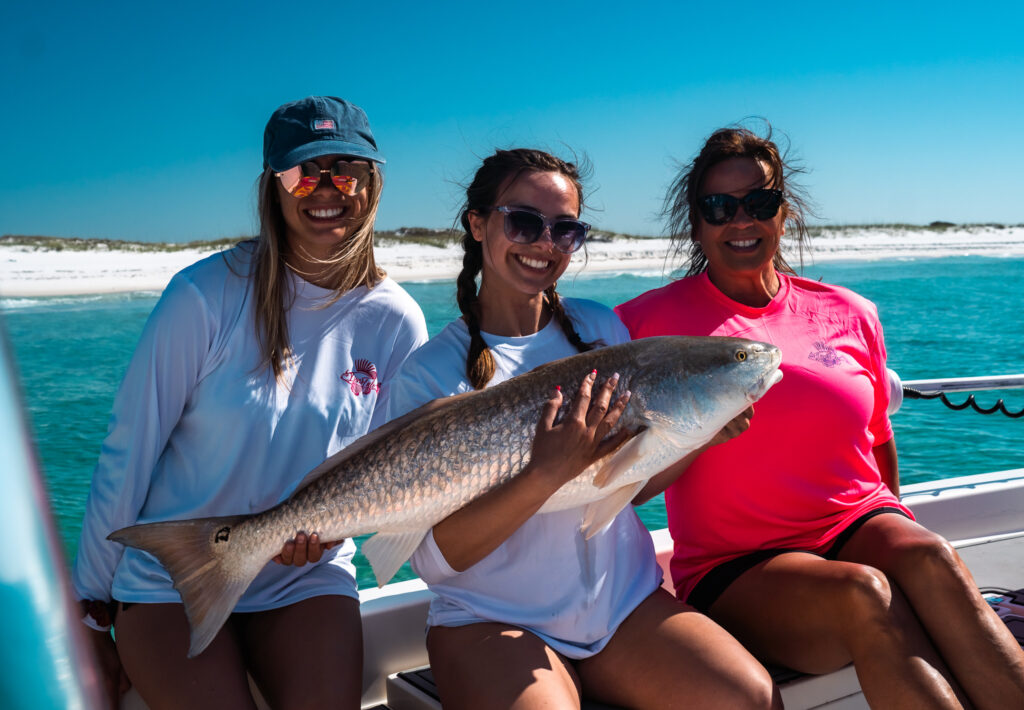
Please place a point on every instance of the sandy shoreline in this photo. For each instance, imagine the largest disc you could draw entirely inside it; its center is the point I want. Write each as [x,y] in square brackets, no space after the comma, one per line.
[31,272]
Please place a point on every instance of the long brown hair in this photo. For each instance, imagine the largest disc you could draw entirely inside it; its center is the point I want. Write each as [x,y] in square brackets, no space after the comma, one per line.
[498,171]
[680,207]
[350,266]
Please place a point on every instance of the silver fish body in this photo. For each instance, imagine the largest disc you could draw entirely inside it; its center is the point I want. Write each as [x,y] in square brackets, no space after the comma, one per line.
[413,472]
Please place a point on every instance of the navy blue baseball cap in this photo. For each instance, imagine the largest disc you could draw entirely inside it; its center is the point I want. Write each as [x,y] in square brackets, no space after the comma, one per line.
[317,125]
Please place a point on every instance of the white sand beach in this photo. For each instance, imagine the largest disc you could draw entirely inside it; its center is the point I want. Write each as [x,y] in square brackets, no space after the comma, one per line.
[36,272]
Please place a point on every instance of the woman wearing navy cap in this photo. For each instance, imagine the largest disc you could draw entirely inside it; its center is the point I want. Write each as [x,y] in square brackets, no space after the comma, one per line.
[255,366]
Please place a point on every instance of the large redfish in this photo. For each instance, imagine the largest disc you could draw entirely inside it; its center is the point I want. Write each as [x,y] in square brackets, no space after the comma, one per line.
[401,479]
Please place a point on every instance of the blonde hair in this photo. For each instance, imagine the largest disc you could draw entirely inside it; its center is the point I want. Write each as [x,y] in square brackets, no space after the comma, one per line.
[351,265]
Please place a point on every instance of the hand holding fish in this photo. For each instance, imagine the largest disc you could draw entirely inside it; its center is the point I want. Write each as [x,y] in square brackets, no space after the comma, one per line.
[302,550]
[560,452]
[736,426]
[564,450]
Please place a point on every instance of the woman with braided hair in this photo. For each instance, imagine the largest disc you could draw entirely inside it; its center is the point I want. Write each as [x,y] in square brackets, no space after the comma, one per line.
[528,613]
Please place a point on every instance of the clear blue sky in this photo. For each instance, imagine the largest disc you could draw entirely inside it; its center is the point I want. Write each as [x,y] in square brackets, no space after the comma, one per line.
[144,120]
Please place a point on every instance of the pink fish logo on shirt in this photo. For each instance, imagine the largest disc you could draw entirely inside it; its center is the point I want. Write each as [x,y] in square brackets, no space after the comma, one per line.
[825,354]
[363,379]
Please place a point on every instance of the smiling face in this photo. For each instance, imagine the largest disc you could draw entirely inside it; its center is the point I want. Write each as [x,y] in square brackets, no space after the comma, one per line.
[524,270]
[743,248]
[315,225]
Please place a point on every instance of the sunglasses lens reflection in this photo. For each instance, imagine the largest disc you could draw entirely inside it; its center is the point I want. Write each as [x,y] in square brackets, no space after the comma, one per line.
[348,177]
[718,209]
[568,236]
[762,204]
[523,227]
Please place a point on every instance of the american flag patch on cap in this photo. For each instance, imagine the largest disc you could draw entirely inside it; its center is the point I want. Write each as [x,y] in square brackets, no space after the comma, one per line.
[323,124]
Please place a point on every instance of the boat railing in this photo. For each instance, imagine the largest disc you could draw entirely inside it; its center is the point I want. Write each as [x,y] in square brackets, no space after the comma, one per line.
[938,388]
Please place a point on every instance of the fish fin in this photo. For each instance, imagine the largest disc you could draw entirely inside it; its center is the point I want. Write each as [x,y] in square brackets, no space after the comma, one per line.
[208,574]
[380,432]
[388,551]
[627,455]
[601,512]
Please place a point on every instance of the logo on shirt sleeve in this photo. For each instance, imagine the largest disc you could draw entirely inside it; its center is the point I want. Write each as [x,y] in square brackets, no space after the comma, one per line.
[363,379]
[825,354]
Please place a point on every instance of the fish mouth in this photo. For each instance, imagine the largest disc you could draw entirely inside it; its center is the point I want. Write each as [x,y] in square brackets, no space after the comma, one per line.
[765,384]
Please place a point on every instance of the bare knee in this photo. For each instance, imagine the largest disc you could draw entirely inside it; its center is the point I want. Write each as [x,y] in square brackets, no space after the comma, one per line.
[865,598]
[929,555]
[753,689]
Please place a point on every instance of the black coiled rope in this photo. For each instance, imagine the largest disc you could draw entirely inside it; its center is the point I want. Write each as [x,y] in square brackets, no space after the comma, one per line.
[999,406]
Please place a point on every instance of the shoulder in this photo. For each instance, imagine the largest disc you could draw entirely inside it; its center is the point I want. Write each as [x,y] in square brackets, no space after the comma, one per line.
[214,281]
[825,297]
[388,304]
[388,293]
[595,321]
[448,346]
[232,266]
[435,369]
[658,297]
[652,307]
[584,307]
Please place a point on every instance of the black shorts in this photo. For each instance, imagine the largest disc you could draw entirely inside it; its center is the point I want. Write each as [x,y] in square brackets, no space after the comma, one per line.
[712,584]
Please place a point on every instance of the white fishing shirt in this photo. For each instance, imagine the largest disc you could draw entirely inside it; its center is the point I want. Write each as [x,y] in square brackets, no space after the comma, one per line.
[546,578]
[200,429]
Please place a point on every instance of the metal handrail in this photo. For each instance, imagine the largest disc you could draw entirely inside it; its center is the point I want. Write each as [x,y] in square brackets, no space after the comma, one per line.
[937,389]
[966,384]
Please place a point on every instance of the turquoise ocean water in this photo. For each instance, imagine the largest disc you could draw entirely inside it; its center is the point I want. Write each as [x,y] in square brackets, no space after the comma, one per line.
[948,317]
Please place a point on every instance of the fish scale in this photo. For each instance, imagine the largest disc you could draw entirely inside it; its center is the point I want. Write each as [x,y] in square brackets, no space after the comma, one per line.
[402,479]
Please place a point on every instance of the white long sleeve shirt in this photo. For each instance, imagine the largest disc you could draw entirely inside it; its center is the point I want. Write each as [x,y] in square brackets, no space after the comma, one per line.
[200,429]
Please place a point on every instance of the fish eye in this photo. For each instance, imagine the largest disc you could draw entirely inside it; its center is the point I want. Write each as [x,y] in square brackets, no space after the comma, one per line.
[741,355]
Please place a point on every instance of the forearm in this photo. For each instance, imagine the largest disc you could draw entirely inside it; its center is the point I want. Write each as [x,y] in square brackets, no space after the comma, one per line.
[888,465]
[470,534]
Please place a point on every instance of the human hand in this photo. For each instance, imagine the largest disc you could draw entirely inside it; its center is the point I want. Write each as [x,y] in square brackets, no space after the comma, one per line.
[739,424]
[114,681]
[562,451]
[304,549]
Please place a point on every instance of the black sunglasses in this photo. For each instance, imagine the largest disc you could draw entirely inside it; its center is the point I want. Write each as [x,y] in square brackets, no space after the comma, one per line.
[525,226]
[760,204]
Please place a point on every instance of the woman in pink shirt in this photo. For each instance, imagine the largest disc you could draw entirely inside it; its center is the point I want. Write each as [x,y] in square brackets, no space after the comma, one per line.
[792,535]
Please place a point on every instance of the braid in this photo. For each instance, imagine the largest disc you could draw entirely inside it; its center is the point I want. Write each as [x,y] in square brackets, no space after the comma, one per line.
[480,365]
[558,312]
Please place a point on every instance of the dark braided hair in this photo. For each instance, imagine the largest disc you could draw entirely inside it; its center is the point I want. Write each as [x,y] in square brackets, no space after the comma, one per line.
[499,171]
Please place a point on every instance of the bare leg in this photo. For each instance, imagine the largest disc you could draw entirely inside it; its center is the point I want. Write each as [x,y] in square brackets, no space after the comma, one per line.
[153,640]
[668,655]
[308,654]
[976,645]
[816,615]
[499,666]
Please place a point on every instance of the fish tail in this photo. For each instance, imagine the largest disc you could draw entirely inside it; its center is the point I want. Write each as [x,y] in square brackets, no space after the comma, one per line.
[209,575]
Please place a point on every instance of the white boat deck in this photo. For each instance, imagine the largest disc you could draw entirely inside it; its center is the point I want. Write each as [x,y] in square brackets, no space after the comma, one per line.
[982,515]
